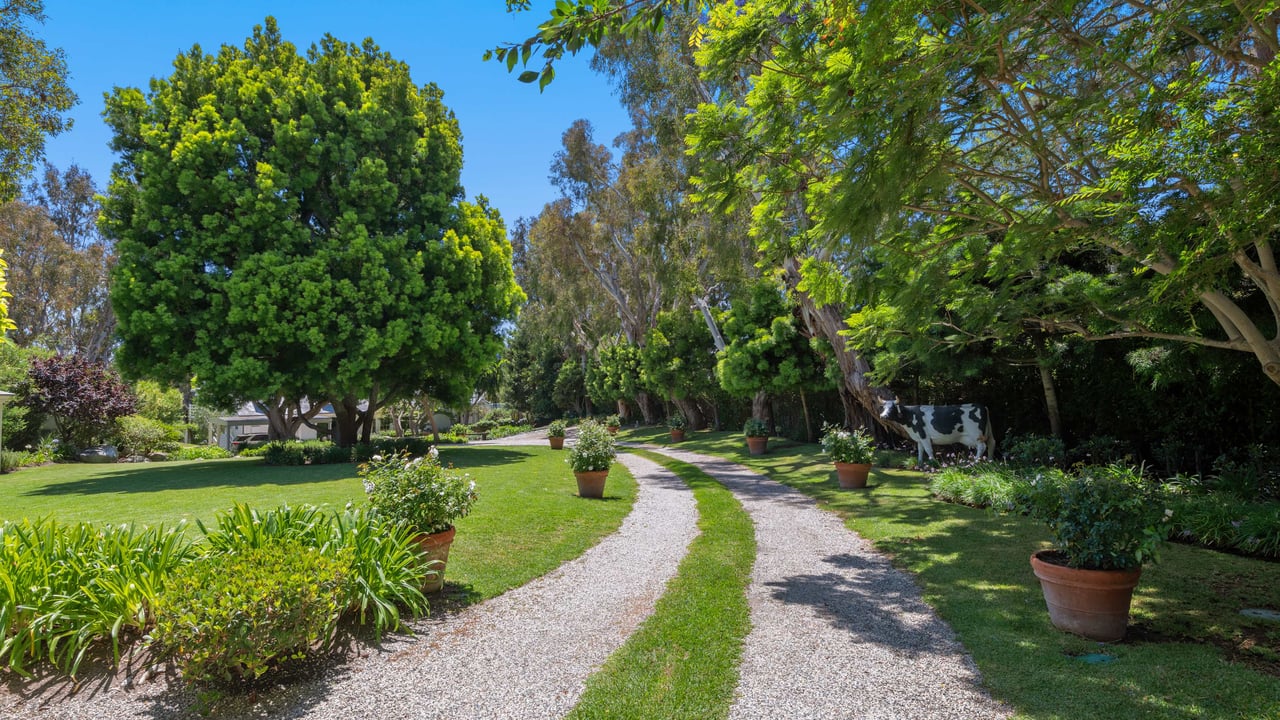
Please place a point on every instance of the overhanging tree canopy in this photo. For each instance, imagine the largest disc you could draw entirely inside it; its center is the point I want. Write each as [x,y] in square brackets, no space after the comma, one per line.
[290,225]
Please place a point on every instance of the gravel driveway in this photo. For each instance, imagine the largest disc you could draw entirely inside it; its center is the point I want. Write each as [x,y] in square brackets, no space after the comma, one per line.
[837,631]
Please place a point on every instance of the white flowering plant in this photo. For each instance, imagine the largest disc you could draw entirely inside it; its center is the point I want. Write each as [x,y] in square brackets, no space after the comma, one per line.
[847,447]
[594,450]
[417,492]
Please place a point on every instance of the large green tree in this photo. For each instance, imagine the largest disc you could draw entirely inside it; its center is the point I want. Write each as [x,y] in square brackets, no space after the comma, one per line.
[290,225]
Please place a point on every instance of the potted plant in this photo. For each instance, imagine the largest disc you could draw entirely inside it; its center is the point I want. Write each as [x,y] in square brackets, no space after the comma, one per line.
[420,494]
[1106,523]
[555,434]
[613,422]
[591,457]
[757,433]
[851,452]
[676,423]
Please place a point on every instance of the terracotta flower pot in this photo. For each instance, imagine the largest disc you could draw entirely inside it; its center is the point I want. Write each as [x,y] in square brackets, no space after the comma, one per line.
[677,434]
[435,554]
[757,445]
[591,483]
[1092,603]
[557,443]
[852,475]
[613,429]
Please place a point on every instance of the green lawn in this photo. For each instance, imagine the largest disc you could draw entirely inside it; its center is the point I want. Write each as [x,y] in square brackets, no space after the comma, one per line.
[1189,655]
[527,521]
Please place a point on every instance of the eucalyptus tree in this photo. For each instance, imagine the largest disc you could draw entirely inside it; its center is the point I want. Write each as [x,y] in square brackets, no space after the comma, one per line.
[291,226]
[58,266]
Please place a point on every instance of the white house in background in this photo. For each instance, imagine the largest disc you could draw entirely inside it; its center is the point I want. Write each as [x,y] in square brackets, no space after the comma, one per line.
[251,419]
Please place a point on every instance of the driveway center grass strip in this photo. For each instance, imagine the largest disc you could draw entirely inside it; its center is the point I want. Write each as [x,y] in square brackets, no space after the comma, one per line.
[1189,654]
[683,661]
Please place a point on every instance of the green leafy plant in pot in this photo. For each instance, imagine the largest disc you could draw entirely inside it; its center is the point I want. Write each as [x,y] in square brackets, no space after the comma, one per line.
[555,434]
[591,457]
[757,432]
[1106,523]
[420,494]
[852,453]
[676,424]
[613,423]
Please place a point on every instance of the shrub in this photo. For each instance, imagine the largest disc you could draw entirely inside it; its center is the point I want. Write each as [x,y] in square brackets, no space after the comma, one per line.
[1104,518]
[414,446]
[1100,450]
[13,459]
[386,574]
[138,435]
[755,427]
[847,447]
[232,617]
[200,452]
[1253,474]
[508,430]
[676,421]
[483,426]
[1034,450]
[283,452]
[594,450]
[252,451]
[557,428]
[613,421]
[417,493]
[65,587]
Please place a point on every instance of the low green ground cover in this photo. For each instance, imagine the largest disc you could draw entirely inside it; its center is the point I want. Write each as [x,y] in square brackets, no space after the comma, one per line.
[1189,653]
[683,661]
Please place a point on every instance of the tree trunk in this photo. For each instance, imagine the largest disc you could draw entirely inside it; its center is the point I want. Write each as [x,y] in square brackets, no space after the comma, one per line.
[692,413]
[761,410]
[431,417]
[369,417]
[346,421]
[1050,399]
[285,416]
[646,408]
[808,423]
[861,400]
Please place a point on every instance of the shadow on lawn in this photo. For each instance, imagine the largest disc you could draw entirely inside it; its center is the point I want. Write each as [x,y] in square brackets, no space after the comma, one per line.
[156,477]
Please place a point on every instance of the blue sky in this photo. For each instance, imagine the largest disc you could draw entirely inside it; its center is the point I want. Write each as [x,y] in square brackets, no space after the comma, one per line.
[510,131]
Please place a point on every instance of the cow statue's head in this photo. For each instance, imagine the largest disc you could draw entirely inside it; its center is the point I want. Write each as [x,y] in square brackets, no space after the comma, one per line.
[892,411]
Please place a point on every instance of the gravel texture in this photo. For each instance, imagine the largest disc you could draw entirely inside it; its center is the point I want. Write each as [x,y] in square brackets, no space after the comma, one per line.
[837,632]
[525,654]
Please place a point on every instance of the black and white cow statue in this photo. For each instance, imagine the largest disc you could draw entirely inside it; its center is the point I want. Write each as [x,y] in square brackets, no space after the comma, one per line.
[944,424]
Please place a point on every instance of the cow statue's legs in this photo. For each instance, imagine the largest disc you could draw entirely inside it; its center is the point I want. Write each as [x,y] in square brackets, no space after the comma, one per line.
[923,447]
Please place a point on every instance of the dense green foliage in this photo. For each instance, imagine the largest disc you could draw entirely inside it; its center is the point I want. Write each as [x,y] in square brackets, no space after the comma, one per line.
[305,452]
[766,350]
[138,435]
[35,93]
[64,587]
[290,225]
[233,617]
